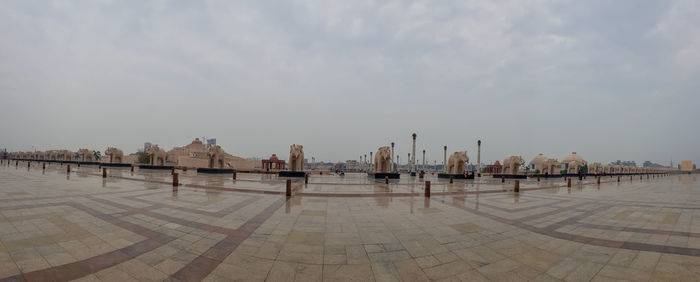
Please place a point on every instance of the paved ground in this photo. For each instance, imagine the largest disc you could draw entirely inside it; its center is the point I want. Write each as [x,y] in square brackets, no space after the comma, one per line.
[55,226]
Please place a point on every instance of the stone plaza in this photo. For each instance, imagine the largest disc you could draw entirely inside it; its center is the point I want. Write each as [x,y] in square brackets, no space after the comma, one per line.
[60,225]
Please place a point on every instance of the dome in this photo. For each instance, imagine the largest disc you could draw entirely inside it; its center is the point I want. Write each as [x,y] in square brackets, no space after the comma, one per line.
[573,157]
[274,157]
[538,160]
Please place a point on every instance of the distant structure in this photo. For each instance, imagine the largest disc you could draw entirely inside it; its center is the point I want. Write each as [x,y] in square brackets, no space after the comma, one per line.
[211,141]
[494,168]
[686,165]
[146,145]
[273,163]
[651,165]
[624,163]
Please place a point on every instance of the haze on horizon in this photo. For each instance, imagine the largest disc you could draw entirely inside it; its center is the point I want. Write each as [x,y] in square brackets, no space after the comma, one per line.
[608,79]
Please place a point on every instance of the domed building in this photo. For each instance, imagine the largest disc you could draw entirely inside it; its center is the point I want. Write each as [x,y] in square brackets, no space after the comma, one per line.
[573,157]
[537,163]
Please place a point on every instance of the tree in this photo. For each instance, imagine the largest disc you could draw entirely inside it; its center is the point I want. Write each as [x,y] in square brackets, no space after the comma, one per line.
[97,155]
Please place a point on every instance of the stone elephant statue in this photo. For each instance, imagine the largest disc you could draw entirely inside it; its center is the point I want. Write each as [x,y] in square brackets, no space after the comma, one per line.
[216,156]
[296,157]
[382,160]
[85,155]
[511,165]
[156,154]
[550,166]
[115,155]
[455,164]
[594,168]
[574,166]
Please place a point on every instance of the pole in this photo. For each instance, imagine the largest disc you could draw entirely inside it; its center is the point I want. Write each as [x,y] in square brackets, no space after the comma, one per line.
[478,158]
[444,160]
[423,160]
[413,161]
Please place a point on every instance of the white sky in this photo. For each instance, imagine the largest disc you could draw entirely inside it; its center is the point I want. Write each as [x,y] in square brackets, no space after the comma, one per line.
[608,79]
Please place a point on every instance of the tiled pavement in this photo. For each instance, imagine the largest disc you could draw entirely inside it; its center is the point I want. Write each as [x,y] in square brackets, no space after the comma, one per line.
[55,227]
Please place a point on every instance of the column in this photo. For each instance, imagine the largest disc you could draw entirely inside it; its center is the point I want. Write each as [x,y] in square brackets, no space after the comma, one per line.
[391,161]
[478,158]
[444,160]
[413,161]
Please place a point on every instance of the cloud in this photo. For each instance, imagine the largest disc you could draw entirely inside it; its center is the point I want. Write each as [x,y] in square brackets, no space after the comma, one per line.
[346,77]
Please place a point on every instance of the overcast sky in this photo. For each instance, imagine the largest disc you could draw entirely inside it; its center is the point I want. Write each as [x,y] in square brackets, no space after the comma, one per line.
[608,79]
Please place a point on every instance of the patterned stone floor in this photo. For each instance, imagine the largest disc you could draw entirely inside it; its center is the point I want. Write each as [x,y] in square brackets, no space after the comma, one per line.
[56,226]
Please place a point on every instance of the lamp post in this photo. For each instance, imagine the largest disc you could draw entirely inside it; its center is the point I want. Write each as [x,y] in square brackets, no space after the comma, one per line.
[444,160]
[371,161]
[423,160]
[478,158]
[397,163]
[365,163]
[408,163]
[413,161]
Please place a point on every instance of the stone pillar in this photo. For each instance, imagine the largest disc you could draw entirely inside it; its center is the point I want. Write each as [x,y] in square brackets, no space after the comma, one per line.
[413,161]
[444,160]
[427,189]
[478,158]
[397,163]
[365,163]
[391,161]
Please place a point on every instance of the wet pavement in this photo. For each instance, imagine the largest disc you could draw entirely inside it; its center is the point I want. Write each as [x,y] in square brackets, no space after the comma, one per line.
[136,226]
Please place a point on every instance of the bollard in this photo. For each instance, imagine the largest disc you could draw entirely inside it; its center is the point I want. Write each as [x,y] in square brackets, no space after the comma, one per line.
[640,177]
[598,179]
[104,172]
[386,180]
[172,171]
[29,164]
[427,189]
[68,169]
[43,166]
[630,177]
[503,179]
[618,178]
[306,178]
[234,175]
[451,180]
[568,182]
[132,168]
[184,168]
[176,181]
[289,188]
[538,178]
[516,187]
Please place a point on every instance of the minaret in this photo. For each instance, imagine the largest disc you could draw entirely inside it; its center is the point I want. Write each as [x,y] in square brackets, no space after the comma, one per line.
[444,161]
[413,161]
[478,158]
[364,164]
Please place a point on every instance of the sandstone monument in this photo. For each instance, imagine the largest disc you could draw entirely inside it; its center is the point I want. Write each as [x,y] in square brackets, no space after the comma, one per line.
[115,155]
[216,156]
[156,154]
[594,168]
[296,157]
[511,165]
[550,167]
[85,155]
[455,164]
[382,160]
[573,163]
[608,168]
[65,155]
